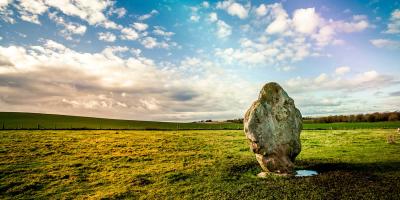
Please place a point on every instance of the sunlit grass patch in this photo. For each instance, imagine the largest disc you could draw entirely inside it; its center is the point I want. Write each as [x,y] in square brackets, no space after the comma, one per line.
[191,164]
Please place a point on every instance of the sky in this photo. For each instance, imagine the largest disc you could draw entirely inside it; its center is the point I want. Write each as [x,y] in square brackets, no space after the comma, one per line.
[177,60]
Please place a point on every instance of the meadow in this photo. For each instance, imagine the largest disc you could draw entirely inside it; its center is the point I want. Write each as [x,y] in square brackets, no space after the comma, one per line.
[29,121]
[192,164]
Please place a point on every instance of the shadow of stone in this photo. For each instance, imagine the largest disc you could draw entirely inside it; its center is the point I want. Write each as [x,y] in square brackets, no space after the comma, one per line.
[236,171]
[326,166]
[379,180]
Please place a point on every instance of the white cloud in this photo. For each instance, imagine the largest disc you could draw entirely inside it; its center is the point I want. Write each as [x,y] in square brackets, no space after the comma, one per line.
[129,34]
[213,17]
[329,29]
[287,68]
[306,20]
[286,46]
[353,26]
[280,22]
[360,17]
[21,35]
[316,30]
[321,78]
[164,41]
[136,52]
[6,14]
[233,8]
[386,43]
[160,31]
[30,10]
[148,15]
[107,36]
[91,11]
[53,78]
[194,9]
[323,82]
[342,70]
[325,35]
[278,53]
[261,10]
[205,4]
[318,102]
[284,68]
[223,29]
[393,26]
[4,4]
[190,62]
[140,26]
[30,18]
[149,42]
[54,45]
[121,12]
[150,104]
[70,28]
[195,18]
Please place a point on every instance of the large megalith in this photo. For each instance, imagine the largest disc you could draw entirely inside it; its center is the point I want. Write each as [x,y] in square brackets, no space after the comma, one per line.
[273,125]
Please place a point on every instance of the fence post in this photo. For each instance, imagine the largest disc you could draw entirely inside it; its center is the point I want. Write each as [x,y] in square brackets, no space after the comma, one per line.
[38,126]
[3,125]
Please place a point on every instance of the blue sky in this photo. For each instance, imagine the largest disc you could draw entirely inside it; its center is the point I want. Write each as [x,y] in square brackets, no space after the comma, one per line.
[193,60]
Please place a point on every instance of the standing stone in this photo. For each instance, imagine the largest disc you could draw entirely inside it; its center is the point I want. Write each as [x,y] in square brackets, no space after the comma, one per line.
[273,125]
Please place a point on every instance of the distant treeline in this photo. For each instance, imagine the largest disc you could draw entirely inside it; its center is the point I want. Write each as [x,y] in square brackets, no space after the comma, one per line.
[238,120]
[370,117]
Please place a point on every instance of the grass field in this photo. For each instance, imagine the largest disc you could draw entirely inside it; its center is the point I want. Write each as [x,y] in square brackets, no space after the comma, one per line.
[193,164]
[48,121]
[11,120]
[352,125]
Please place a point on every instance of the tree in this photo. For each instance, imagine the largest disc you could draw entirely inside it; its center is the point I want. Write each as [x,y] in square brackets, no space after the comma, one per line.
[371,118]
[359,117]
[393,117]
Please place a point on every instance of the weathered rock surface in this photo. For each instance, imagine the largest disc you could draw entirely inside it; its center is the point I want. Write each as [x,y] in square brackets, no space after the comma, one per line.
[273,125]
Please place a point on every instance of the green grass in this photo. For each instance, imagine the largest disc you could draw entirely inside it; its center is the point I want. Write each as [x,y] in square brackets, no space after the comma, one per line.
[352,125]
[12,120]
[192,164]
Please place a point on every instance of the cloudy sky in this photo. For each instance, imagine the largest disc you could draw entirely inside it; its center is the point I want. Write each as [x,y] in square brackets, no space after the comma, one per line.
[177,60]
